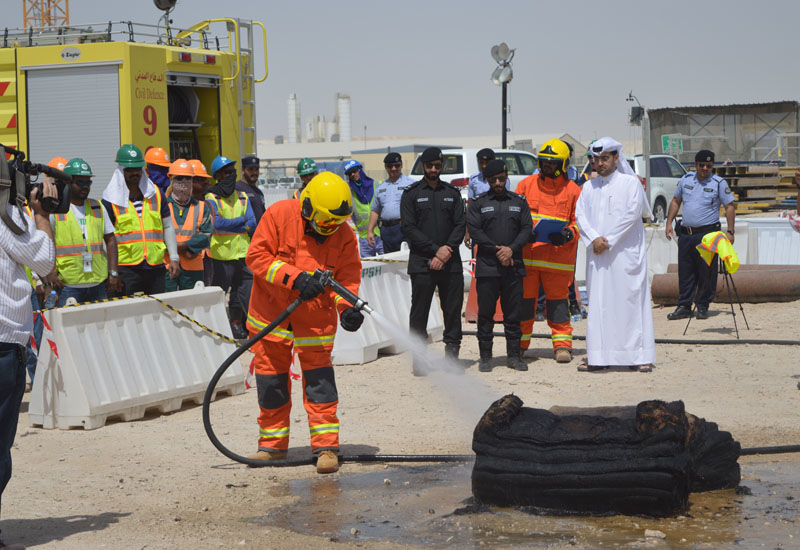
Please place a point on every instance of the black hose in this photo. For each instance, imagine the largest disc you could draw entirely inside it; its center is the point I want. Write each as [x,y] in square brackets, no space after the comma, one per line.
[779,449]
[294,461]
[669,340]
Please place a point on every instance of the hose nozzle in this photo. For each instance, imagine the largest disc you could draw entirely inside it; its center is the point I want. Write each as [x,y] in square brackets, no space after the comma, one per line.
[326,279]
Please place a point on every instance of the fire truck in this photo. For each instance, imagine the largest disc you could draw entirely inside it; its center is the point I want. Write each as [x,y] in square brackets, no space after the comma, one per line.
[82,91]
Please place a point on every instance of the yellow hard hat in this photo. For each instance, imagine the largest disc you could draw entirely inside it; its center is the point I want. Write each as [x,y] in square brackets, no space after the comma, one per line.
[555,150]
[326,202]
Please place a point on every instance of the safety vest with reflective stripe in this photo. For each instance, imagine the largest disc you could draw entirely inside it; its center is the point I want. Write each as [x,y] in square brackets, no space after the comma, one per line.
[361,212]
[191,225]
[718,243]
[140,238]
[229,246]
[70,245]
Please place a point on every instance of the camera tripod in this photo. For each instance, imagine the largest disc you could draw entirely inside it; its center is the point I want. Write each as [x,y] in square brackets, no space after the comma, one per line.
[729,284]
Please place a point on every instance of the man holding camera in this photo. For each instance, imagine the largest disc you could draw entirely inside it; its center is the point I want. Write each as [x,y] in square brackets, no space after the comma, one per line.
[33,248]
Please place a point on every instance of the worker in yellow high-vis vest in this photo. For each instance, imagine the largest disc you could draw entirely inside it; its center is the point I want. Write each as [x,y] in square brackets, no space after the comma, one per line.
[142,224]
[83,265]
[234,224]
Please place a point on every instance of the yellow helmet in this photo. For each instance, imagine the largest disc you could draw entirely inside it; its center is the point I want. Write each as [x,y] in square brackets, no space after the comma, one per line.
[556,150]
[326,202]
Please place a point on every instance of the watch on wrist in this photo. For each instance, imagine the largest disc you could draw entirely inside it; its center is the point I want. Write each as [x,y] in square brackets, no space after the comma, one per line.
[113,273]
[731,231]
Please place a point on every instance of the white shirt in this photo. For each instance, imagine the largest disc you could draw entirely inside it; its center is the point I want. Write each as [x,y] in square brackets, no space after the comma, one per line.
[34,249]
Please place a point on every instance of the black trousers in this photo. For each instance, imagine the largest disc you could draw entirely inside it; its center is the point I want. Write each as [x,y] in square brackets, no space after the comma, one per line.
[12,386]
[392,237]
[694,275]
[451,298]
[139,279]
[509,289]
[235,276]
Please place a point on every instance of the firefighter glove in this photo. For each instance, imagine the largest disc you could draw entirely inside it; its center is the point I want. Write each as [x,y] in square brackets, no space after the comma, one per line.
[351,319]
[308,286]
[532,237]
[563,237]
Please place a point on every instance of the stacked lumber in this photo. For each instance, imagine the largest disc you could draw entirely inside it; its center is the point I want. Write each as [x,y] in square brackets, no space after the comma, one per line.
[758,188]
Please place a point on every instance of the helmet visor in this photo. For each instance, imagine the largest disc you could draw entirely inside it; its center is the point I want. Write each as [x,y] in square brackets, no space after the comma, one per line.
[326,226]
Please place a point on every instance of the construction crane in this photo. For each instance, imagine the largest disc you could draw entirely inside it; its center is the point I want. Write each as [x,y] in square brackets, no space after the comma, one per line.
[45,13]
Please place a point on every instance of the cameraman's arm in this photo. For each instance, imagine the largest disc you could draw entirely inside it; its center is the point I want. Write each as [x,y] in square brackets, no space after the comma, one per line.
[33,248]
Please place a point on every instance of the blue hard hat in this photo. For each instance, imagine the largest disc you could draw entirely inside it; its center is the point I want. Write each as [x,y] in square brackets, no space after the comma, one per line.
[219,163]
[350,165]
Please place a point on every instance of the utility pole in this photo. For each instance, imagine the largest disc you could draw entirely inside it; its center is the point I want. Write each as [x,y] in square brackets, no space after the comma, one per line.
[45,13]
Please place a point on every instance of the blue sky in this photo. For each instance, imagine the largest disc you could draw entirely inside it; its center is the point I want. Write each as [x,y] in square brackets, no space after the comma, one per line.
[421,68]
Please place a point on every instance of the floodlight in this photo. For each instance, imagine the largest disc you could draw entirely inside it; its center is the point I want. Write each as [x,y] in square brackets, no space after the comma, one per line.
[165,5]
[502,75]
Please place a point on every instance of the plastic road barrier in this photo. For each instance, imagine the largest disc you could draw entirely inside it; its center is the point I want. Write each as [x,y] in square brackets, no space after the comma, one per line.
[121,358]
[386,286]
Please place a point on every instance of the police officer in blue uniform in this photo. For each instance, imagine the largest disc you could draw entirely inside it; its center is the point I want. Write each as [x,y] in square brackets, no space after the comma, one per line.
[500,224]
[701,194]
[433,222]
[385,210]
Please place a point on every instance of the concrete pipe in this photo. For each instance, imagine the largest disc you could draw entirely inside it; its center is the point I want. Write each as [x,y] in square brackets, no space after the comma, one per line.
[753,286]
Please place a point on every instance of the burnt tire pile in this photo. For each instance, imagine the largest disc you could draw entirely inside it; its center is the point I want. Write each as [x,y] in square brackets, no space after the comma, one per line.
[642,460]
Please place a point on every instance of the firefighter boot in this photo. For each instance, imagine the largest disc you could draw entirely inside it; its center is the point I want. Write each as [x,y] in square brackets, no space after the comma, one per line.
[451,351]
[327,462]
[563,355]
[514,357]
[268,455]
[485,363]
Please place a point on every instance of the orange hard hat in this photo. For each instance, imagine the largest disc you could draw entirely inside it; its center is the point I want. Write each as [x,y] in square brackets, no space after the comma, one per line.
[157,156]
[181,167]
[58,163]
[199,168]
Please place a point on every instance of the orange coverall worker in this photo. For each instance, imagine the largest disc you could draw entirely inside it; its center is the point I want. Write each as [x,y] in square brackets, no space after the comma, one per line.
[283,246]
[552,266]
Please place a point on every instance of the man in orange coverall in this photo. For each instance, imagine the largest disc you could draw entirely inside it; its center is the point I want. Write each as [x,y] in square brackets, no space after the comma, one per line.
[294,238]
[550,259]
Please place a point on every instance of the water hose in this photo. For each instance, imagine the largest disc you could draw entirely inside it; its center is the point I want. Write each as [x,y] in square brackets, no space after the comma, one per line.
[326,280]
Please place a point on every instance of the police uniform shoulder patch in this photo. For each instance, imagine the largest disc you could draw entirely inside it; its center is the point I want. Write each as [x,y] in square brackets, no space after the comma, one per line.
[728,190]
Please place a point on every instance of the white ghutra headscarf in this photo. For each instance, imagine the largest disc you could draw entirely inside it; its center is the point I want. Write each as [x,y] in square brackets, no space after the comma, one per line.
[607,145]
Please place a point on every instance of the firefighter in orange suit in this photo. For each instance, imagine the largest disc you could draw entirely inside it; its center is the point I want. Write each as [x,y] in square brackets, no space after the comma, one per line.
[295,238]
[550,259]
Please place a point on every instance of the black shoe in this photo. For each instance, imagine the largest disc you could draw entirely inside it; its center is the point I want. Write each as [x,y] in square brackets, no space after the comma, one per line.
[539,316]
[238,331]
[702,313]
[485,365]
[451,352]
[515,362]
[681,312]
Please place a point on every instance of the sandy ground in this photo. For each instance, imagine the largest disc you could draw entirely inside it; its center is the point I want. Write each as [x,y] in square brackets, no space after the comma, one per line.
[159,484]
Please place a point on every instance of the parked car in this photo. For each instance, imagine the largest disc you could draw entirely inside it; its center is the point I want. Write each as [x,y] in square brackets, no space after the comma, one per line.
[460,164]
[665,171]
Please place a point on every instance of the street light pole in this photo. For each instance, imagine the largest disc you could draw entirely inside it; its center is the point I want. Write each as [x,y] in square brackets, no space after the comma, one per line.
[505,113]
[501,76]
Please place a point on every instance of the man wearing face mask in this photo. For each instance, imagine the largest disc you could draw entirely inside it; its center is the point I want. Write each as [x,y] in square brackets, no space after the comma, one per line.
[499,222]
[363,189]
[158,164]
[192,221]
[82,266]
[234,224]
[142,225]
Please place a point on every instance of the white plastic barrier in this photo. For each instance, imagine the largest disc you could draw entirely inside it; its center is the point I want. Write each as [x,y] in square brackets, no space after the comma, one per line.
[773,241]
[121,358]
[387,288]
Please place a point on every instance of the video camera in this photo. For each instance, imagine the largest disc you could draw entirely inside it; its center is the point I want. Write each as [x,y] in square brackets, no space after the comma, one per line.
[18,177]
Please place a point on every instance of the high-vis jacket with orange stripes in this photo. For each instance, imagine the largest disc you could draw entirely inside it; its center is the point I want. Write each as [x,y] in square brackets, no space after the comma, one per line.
[70,245]
[184,232]
[555,199]
[140,238]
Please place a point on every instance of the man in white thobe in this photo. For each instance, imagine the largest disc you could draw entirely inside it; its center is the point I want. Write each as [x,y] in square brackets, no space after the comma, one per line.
[609,215]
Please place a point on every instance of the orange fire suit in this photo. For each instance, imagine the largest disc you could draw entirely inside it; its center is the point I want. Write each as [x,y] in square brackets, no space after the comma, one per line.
[552,266]
[282,247]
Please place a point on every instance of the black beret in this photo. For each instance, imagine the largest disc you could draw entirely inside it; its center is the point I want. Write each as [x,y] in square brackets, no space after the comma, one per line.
[392,157]
[250,161]
[494,167]
[704,156]
[485,154]
[431,154]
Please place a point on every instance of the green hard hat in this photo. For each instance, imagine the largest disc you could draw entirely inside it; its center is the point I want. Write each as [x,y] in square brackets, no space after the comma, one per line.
[78,167]
[306,166]
[130,156]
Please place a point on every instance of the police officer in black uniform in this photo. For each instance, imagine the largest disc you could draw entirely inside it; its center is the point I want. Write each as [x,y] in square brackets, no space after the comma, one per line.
[432,214]
[500,223]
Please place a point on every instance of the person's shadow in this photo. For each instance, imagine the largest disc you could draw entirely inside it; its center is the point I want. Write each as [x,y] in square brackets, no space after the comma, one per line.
[33,532]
